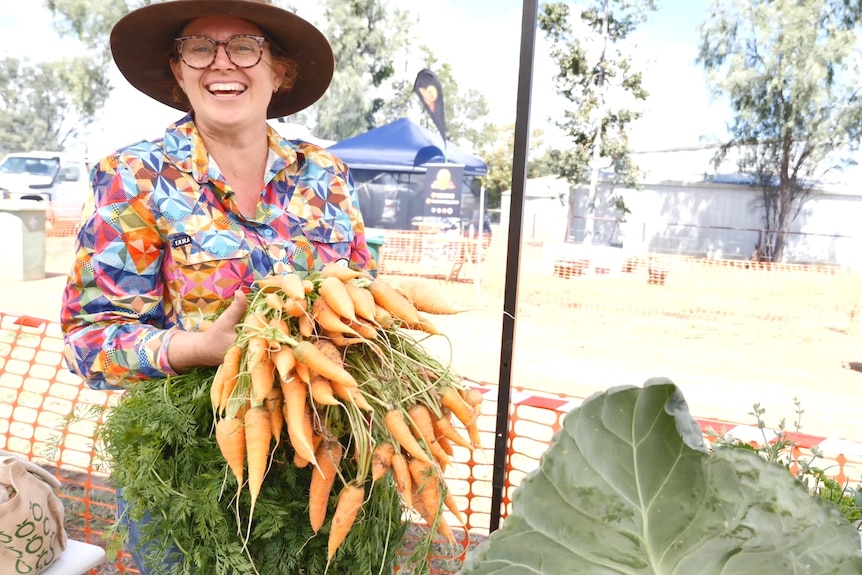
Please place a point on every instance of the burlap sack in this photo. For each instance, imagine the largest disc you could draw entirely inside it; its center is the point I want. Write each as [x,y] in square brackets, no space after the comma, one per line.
[32,533]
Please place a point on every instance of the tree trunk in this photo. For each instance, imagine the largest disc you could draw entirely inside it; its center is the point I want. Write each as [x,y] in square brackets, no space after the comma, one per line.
[589,222]
[785,207]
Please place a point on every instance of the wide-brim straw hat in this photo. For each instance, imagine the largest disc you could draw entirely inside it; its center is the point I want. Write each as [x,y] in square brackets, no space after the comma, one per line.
[142,42]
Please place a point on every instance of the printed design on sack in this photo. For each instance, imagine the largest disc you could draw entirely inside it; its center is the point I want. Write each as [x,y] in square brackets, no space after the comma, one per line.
[31,541]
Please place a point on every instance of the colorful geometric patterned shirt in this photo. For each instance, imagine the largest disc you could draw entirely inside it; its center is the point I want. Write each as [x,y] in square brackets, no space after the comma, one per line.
[166,246]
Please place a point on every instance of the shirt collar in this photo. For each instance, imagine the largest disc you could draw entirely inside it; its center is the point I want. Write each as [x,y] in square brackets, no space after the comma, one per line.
[185,148]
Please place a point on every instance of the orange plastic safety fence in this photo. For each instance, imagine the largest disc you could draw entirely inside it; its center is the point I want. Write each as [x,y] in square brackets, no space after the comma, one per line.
[50,416]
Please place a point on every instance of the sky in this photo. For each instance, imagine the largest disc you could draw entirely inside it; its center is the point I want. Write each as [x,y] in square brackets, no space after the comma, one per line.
[481,40]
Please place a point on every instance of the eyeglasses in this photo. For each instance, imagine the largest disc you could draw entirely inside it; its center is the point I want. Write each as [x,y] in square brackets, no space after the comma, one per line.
[199,52]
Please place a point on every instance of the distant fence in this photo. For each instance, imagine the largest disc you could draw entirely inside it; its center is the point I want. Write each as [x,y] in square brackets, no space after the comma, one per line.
[618,280]
[717,242]
[39,397]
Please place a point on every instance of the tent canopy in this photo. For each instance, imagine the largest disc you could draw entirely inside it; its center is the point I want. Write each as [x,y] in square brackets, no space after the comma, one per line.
[403,146]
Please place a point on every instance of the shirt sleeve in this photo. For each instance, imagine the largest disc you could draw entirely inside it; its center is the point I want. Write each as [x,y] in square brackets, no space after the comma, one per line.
[360,255]
[113,311]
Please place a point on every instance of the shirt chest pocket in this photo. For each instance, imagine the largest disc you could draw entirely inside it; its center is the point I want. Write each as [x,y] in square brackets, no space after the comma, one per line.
[206,268]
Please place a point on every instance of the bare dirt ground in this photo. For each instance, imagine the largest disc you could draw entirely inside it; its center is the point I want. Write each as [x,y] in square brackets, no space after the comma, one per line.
[723,366]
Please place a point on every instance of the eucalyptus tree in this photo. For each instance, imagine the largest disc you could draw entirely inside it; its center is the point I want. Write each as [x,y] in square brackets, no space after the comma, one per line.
[790,70]
[367,37]
[45,104]
[597,77]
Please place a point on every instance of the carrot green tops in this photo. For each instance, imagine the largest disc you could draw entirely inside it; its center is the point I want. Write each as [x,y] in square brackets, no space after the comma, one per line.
[166,245]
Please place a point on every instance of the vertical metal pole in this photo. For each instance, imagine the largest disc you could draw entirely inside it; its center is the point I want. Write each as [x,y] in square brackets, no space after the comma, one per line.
[513,259]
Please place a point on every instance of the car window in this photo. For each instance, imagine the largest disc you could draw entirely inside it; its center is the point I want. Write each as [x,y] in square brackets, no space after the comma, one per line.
[23,165]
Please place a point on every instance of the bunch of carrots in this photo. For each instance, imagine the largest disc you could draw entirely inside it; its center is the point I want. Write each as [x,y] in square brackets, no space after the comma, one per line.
[328,366]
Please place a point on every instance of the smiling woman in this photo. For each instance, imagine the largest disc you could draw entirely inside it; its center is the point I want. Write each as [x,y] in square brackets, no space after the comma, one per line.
[183,225]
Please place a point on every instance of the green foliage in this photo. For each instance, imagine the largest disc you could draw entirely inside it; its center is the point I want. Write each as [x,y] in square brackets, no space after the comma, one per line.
[47,103]
[498,153]
[790,72]
[589,71]
[366,39]
[781,449]
[162,454]
[628,486]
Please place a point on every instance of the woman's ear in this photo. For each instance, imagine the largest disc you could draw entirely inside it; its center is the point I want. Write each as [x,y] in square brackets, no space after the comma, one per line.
[278,72]
[177,70]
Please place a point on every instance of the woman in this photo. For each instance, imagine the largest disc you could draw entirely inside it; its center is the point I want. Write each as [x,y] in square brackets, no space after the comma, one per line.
[182,225]
[185,223]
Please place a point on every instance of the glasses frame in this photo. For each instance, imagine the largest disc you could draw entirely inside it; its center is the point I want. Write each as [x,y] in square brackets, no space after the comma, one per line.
[216,43]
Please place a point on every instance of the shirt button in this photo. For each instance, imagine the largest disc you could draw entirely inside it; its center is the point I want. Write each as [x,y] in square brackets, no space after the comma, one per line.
[267,231]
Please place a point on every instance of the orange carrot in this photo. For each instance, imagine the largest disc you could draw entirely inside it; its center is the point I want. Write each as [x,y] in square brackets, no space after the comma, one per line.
[426,496]
[328,457]
[302,372]
[231,363]
[295,410]
[273,403]
[333,291]
[284,361]
[275,302]
[350,499]
[473,431]
[262,379]
[401,433]
[473,397]
[381,459]
[217,387]
[308,431]
[295,307]
[256,352]
[424,324]
[330,350]
[424,298]
[339,271]
[341,341]
[446,445]
[351,395]
[317,361]
[230,436]
[363,301]
[255,322]
[423,429]
[445,429]
[258,435]
[289,284]
[306,325]
[321,391]
[327,318]
[382,317]
[452,400]
[402,478]
[451,505]
[396,304]
[364,329]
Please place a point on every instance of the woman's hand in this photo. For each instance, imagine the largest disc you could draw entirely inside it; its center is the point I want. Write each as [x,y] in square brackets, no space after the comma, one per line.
[206,349]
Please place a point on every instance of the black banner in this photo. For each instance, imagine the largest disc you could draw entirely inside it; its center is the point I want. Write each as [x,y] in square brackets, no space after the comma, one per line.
[427,87]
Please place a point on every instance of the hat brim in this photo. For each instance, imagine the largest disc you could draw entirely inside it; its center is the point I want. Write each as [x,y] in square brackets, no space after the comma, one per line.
[141,44]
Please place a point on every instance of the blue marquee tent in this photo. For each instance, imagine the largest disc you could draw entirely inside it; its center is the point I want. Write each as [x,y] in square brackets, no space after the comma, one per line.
[403,146]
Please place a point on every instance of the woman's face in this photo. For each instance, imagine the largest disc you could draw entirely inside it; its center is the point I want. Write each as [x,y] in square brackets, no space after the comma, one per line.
[223,93]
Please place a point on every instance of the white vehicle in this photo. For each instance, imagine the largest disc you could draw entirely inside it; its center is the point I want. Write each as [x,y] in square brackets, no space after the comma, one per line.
[35,175]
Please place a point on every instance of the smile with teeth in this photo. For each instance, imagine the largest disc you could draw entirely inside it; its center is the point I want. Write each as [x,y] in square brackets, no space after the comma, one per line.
[226,88]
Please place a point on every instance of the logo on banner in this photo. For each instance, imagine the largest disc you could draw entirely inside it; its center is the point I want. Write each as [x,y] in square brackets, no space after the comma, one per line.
[443,190]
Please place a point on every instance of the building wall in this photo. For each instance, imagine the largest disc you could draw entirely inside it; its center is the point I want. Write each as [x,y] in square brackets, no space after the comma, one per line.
[701,219]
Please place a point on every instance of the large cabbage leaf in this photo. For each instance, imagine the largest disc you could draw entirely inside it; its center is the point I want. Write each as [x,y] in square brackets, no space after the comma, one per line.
[628,487]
